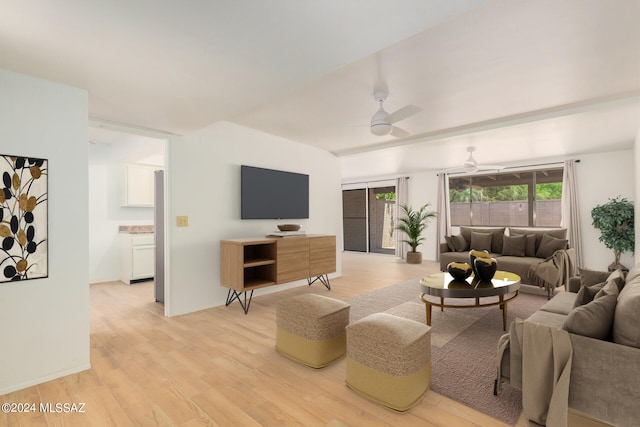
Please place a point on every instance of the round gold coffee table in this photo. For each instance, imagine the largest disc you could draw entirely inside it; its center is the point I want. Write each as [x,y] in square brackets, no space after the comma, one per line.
[443,285]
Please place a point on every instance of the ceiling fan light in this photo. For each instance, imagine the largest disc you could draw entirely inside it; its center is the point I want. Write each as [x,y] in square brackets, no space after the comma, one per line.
[470,165]
[381,129]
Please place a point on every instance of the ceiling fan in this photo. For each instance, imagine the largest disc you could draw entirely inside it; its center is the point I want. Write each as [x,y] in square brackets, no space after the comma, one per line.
[382,122]
[470,165]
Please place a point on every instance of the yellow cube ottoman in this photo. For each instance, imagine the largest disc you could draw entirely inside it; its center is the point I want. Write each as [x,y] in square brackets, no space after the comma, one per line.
[389,360]
[311,329]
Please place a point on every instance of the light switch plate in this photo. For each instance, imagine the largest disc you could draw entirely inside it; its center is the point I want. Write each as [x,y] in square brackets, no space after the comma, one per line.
[182,221]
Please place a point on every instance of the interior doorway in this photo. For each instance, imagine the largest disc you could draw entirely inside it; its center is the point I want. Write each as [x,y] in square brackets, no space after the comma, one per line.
[120,157]
[369,218]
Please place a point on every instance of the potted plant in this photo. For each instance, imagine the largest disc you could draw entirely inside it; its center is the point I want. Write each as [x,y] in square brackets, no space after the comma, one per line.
[413,223]
[615,221]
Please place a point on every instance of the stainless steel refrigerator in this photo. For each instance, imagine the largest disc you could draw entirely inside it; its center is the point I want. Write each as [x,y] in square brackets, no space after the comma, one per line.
[158,219]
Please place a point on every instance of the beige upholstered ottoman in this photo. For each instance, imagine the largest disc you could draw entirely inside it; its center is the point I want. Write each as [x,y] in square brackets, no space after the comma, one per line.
[311,329]
[389,360]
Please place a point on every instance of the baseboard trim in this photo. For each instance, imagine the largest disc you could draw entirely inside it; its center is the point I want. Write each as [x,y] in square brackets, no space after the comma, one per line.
[46,378]
[578,419]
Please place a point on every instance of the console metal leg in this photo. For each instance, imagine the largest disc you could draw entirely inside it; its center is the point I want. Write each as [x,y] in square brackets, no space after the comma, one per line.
[233,295]
[323,278]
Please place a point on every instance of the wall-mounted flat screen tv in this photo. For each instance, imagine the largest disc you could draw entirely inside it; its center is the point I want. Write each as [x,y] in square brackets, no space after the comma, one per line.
[273,194]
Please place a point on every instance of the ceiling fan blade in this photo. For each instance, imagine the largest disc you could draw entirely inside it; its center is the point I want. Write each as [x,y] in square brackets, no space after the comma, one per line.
[454,170]
[403,113]
[490,167]
[478,168]
[399,133]
[471,166]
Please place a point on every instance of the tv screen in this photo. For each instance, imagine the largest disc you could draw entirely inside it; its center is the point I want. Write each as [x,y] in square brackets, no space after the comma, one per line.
[273,194]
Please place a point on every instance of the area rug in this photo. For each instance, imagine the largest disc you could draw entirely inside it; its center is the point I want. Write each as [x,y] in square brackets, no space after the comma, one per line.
[463,344]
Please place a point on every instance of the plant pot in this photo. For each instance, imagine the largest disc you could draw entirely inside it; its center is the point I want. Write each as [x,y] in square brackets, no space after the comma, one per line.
[615,266]
[414,257]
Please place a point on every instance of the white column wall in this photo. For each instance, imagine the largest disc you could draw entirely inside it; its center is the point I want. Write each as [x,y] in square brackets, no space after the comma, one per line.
[204,184]
[45,322]
[636,203]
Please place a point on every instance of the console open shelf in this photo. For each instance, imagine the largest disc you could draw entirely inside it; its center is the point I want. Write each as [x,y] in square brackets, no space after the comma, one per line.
[259,274]
[247,263]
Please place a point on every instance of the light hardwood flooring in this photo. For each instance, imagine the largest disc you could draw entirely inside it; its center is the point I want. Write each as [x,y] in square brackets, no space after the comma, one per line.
[218,367]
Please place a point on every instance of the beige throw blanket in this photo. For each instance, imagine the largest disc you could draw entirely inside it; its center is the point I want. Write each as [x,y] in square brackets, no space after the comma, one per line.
[545,372]
[554,271]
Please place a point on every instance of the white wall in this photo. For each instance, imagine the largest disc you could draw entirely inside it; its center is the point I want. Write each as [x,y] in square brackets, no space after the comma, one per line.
[600,176]
[45,322]
[204,184]
[105,198]
[636,203]
[423,188]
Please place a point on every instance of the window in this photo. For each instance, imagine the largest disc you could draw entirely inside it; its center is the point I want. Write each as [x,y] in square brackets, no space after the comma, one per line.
[525,199]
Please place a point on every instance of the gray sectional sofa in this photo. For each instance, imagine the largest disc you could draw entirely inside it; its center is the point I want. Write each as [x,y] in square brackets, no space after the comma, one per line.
[601,313]
[515,250]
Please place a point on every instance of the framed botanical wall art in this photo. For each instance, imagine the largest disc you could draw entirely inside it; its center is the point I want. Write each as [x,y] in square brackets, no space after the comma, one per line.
[23,218]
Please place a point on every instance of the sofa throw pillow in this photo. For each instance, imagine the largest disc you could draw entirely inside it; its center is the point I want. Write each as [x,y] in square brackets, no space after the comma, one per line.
[550,244]
[591,277]
[594,319]
[615,279]
[558,233]
[589,292]
[530,248]
[450,244]
[515,245]
[497,238]
[481,241]
[586,294]
[627,316]
[460,243]
[633,273]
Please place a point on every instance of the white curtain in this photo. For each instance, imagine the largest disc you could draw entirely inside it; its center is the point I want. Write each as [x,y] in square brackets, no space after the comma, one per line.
[402,198]
[444,215]
[570,210]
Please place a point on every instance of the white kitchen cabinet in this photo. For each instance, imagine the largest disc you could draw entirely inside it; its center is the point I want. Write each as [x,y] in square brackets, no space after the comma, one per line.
[138,260]
[138,185]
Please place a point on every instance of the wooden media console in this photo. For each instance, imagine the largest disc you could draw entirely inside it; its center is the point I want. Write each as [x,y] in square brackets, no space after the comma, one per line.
[249,264]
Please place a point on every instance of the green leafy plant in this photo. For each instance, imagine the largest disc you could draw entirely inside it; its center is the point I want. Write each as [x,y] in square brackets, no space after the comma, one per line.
[386,196]
[615,220]
[413,223]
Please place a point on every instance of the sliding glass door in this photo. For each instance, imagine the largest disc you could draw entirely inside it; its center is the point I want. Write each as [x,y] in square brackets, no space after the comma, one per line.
[354,219]
[382,220]
[369,219]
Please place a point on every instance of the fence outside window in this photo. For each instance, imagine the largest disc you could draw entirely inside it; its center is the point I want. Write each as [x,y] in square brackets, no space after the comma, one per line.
[512,198]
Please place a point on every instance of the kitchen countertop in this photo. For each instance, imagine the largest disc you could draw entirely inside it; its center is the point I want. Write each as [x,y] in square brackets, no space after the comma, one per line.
[137,229]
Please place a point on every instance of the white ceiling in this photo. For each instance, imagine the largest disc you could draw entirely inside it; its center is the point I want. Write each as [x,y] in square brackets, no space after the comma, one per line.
[527,77]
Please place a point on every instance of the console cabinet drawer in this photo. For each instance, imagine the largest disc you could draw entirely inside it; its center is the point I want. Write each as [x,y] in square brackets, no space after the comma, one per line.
[292,259]
[322,252]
